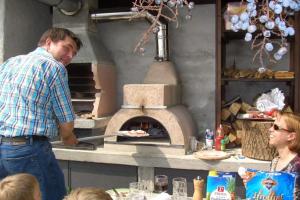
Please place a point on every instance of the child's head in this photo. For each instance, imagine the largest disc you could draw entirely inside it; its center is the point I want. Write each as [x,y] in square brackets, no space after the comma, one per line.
[88,193]
[20,187]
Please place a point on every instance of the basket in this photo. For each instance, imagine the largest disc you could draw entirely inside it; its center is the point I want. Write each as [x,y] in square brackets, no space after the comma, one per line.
[255,140]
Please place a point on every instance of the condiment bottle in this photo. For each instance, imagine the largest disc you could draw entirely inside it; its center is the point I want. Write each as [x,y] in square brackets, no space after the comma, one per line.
[223,144]
[198,188]
[219,137]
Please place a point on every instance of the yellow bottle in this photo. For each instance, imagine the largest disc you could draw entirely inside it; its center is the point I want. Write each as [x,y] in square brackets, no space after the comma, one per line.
[212,172]
[198,188]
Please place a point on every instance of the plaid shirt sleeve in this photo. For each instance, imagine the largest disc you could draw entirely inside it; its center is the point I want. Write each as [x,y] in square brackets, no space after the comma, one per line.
[61,97]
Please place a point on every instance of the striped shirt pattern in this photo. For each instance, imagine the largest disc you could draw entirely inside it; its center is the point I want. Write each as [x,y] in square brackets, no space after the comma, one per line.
[34,95]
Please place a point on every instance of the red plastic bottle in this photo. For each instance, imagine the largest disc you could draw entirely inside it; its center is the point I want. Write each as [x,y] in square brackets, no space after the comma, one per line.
[219,137]
[218,143]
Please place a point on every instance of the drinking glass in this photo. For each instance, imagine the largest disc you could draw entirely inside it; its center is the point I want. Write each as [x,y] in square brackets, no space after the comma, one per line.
[160,183]
[135,191]
[147,188]
[179,188]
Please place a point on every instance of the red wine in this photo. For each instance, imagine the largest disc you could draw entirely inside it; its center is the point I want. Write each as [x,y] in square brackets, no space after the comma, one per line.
[162,187]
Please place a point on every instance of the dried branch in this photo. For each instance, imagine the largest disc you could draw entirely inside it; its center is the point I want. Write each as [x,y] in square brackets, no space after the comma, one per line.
[269,18]
[161,9]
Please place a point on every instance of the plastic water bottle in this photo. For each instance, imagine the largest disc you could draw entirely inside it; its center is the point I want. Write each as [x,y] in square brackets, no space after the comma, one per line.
[209,138]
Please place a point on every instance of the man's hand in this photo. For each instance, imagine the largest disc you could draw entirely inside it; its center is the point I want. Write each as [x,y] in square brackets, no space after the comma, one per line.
[71,140]
[66,133]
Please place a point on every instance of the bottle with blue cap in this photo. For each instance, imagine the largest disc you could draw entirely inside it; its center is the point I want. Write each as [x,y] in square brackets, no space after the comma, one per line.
[209,138]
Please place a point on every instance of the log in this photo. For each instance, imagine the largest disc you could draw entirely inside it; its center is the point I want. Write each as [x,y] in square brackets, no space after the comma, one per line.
[234,108]
[239,135]
[245,107]
[238,124]
[226,128]
[255,140]
[225,114]
[232,137]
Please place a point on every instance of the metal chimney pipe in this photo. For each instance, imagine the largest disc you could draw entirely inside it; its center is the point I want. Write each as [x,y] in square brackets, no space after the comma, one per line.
[67,7]
[161,35]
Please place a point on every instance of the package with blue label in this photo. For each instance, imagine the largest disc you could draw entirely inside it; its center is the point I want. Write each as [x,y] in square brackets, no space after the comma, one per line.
[269,185]
[220,186]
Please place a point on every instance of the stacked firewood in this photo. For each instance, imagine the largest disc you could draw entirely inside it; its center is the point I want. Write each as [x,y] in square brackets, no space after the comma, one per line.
[253,73]
[233,127]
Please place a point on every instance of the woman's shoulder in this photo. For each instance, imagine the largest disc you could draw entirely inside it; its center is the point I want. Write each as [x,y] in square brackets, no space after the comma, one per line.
[295,164]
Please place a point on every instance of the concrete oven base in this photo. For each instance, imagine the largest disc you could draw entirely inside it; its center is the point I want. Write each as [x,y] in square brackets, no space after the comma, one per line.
[176,120]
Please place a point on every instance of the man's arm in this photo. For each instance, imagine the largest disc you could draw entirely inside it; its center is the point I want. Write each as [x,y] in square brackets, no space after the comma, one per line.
[66,133]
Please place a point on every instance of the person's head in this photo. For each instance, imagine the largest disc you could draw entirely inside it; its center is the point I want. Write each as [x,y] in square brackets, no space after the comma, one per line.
[20,187]
[61,43]
[286,132]
[88,193]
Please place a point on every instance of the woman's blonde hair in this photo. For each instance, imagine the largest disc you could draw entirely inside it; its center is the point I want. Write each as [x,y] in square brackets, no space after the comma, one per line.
[88,193]
[292,121]
[18,187]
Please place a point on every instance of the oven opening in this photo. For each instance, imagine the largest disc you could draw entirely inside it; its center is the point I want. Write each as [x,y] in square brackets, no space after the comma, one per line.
[157,132]
[82,87]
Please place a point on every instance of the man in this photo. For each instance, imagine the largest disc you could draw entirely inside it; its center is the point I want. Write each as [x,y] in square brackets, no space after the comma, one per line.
[35,105]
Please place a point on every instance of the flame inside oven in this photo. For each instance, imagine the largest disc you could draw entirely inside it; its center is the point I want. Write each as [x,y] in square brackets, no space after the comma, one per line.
[151,126]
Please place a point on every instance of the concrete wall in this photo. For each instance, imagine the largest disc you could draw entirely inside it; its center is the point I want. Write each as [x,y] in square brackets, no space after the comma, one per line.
[191,45]
[22,23]
[2,8]
[192,50]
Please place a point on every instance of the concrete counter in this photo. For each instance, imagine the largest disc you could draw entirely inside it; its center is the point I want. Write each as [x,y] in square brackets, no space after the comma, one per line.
[118,168]
[188,162]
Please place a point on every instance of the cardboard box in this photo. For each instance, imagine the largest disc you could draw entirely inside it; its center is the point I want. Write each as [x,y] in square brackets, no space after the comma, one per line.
[221,186]
[270,185]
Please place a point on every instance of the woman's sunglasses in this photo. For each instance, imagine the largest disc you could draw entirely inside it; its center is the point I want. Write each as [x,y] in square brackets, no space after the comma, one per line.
[278,128]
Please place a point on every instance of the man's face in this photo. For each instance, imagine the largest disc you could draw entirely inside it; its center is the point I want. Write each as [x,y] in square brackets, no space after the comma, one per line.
[62,50]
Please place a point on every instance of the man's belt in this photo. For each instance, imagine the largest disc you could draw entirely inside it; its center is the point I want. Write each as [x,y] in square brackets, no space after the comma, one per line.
[22,139]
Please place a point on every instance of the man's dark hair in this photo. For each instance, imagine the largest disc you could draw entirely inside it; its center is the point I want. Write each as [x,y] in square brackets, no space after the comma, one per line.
[56,34]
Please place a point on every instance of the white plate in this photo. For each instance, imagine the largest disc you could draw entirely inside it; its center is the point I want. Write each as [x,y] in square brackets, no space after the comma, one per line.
[211,155]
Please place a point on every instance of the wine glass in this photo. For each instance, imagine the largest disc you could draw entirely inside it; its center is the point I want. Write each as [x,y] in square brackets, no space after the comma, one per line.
[160,183]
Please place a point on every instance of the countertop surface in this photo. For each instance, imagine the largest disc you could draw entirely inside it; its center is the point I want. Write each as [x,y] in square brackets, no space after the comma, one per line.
[146,159]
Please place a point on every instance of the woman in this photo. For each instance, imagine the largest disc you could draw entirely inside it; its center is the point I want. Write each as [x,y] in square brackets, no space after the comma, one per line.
[285,137]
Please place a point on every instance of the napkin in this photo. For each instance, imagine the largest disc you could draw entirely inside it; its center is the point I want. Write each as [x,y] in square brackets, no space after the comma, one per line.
[272,100]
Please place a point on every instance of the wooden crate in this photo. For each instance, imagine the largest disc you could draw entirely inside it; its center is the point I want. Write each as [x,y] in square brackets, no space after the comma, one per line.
[255,140]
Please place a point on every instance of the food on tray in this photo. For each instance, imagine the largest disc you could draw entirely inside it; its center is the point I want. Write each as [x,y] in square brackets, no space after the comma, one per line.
[211,155]
[256,116]
[134,133]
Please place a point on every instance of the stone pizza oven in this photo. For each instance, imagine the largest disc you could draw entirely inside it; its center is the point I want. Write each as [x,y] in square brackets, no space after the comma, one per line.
[156,103]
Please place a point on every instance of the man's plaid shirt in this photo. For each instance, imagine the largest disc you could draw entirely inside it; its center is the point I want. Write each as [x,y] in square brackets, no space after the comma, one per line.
[34,95]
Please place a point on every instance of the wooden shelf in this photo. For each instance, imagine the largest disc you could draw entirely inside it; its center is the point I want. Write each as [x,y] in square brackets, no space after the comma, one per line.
[258,80]
[240,35]
[223,37]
